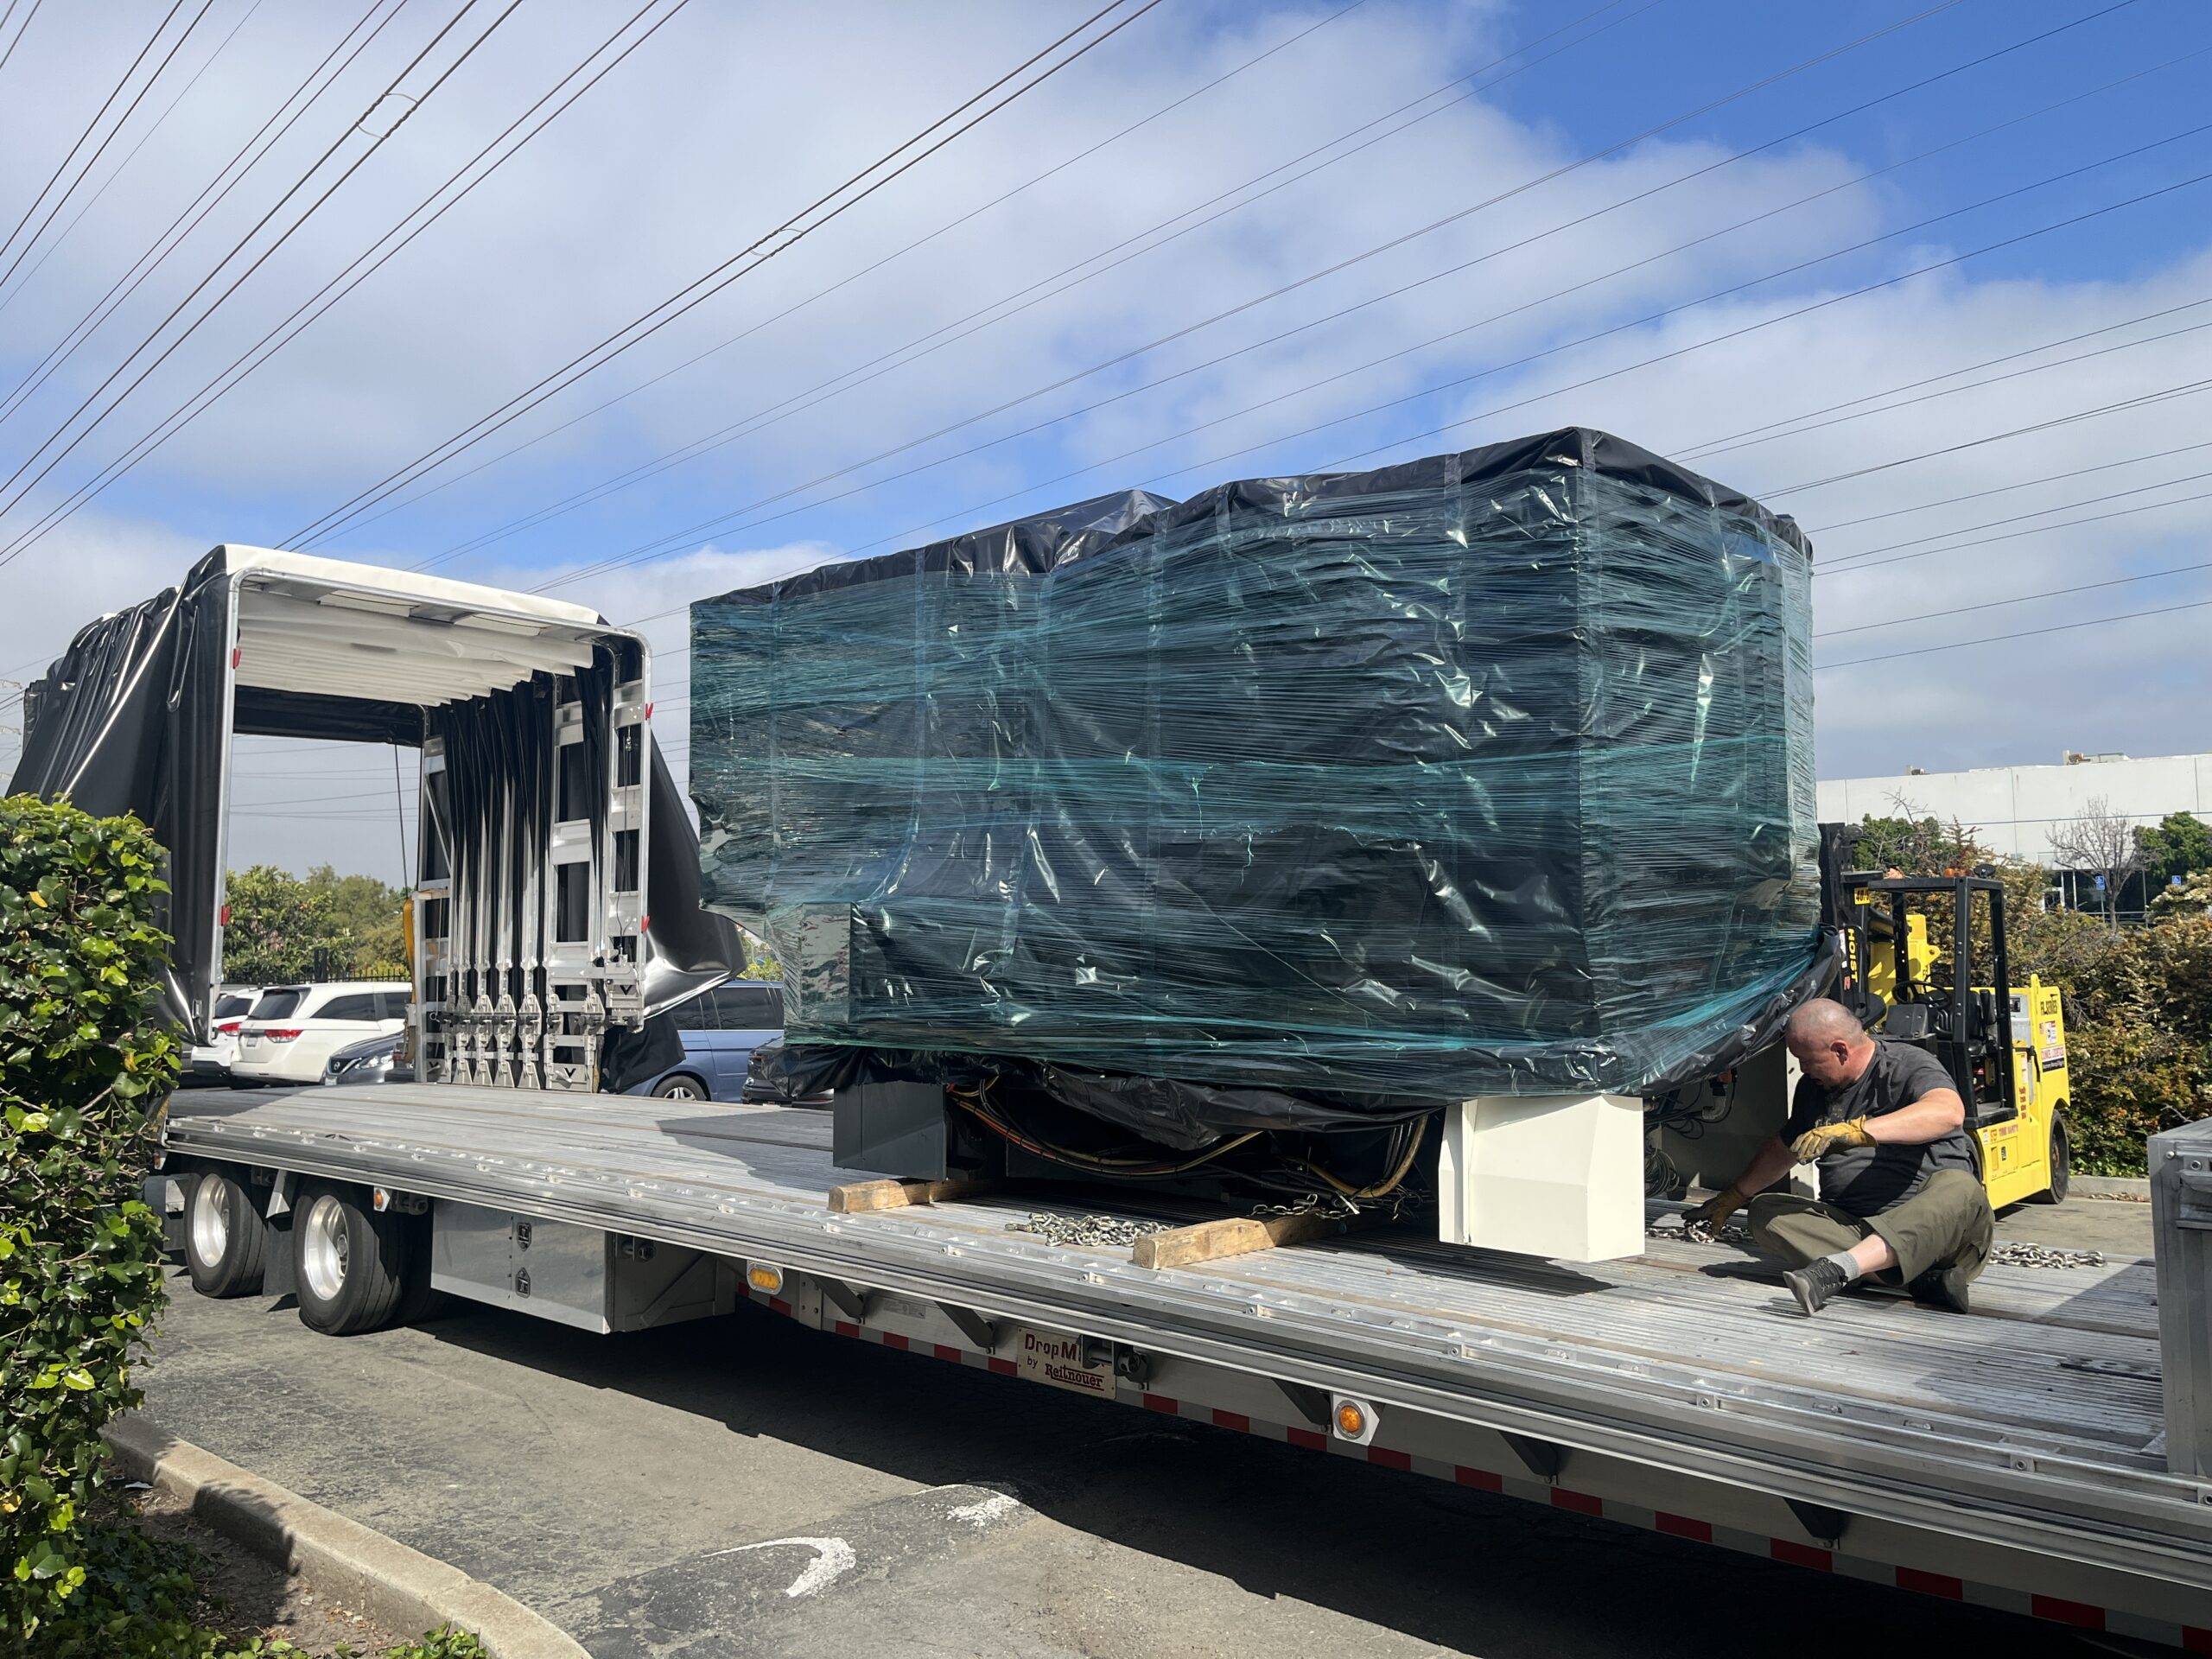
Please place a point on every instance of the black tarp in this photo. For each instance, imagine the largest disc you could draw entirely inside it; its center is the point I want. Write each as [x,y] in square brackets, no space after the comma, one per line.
[129,719]
[1310,799]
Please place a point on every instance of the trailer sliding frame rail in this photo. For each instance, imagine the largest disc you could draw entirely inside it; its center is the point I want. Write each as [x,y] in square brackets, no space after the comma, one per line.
[2011,1458]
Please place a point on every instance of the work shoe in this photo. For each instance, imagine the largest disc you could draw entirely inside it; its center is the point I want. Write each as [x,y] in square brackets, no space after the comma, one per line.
[1945,1288]
[1814,1283]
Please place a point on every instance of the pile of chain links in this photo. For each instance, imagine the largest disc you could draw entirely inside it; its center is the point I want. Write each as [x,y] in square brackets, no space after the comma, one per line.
[2019,1253]
[1737,1231]
[1088,1231]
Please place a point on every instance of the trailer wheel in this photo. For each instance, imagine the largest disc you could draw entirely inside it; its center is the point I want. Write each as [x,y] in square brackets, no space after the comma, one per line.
[349,1263]
[2061,1166]
[224,1239]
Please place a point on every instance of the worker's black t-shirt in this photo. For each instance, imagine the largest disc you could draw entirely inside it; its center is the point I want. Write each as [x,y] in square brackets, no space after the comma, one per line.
[1867,1179]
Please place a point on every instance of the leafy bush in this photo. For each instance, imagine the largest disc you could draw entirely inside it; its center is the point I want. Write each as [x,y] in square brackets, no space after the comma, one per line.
[82,1065]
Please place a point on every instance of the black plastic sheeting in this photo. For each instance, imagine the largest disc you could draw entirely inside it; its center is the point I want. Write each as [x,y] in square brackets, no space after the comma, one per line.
[1307,803]
[129,719]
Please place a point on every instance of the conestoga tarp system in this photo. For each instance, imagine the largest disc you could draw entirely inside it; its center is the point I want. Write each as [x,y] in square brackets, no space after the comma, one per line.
[1328,796]
[136,714]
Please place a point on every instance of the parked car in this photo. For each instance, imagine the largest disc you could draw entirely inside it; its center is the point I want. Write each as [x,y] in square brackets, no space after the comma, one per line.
[766,1085]
[374,1059]
[720,1030]
[211,1061]
[294,1029]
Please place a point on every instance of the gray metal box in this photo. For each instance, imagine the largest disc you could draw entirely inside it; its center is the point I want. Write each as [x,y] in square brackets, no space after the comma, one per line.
[575,1276]
[891,1129]
[2181,1221]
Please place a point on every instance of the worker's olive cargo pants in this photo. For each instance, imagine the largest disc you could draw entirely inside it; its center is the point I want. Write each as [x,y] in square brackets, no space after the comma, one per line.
[1945,1225]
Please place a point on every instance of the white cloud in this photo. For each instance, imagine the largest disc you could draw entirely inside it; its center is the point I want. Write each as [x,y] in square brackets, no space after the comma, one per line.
[729,120]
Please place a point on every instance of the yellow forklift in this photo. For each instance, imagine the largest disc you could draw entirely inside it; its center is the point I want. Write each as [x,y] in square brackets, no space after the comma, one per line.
[2004,1045]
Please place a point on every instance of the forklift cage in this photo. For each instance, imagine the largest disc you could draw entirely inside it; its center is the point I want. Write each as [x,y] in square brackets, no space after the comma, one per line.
[1962,1026]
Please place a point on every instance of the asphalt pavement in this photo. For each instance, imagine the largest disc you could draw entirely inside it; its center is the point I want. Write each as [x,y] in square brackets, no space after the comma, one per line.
[747,1486]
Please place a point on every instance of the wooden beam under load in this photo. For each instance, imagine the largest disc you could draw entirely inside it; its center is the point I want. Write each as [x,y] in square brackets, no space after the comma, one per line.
[1211,1241]
[860,1197]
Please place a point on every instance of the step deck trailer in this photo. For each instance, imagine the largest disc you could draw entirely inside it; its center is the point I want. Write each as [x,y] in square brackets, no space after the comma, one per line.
[2016,1457]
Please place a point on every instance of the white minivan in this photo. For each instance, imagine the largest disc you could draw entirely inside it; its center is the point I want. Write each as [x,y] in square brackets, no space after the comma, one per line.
[294,1029]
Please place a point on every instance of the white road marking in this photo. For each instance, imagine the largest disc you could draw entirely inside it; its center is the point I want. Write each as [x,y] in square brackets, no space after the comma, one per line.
[833,1558]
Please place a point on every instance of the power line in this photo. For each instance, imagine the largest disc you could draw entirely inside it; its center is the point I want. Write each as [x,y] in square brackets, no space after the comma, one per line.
[148,262]
[100,150]
[664,544]
[91,126]
[20,33]
[1321,274]
[943,335]
[364,265]
[1850,561]
[2017,599]
[1882,392]
[2180,389]
[648,550]
[662,656]
[123,166]
[2022,633]
[1772,431]
[792,231]
[1736,334]
[377,141]
[2070,524]
[2036,482]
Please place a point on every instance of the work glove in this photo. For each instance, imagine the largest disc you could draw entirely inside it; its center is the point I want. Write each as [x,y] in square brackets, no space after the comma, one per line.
[1830,1137]
[1715,1210]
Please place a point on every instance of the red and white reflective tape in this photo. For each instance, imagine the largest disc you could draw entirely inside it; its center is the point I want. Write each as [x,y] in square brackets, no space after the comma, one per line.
[2078,1615]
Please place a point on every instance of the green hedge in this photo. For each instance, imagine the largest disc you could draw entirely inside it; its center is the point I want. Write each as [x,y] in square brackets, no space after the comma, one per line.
[2138,1019]
[83,1065]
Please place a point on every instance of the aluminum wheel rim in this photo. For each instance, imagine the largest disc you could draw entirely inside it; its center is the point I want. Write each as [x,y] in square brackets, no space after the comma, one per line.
[211,1220]
[681,1092]
[324,1251]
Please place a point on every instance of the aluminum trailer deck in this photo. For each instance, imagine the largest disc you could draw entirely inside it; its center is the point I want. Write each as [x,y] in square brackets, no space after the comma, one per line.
[2012,1457]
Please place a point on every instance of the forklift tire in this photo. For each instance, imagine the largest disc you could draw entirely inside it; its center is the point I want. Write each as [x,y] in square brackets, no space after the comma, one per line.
[2061,1167]
[224,1239]
[349,1262]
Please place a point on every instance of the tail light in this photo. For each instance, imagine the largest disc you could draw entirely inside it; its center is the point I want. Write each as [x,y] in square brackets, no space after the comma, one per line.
[281,1033]
[229,1028]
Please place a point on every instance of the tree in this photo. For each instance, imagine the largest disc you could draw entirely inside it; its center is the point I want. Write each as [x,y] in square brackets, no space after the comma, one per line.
[366,910]
[1917,843]
[2102,842]
[284,928]
[2175,848]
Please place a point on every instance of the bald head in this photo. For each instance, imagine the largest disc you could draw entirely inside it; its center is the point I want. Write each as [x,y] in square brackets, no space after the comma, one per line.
[1823,1021]
[1831,1047]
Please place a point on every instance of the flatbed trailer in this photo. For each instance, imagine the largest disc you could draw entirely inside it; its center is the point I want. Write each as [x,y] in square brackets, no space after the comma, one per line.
[2011,1458]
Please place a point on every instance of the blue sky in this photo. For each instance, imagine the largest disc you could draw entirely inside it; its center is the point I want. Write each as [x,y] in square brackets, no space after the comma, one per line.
[732,118]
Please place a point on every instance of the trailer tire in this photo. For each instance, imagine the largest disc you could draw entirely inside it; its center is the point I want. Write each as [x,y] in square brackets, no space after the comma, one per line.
[349,1262]
[224,1243]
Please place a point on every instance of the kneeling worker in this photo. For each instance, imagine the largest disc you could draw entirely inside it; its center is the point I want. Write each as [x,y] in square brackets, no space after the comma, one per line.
[1899,1197]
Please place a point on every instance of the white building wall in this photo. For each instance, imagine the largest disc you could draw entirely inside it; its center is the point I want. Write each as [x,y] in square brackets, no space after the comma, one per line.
[2011,809]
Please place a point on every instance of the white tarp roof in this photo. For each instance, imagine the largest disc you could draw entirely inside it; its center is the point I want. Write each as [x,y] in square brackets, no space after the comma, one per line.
[326,625]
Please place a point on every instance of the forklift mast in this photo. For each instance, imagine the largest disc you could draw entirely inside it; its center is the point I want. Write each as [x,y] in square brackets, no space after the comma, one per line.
[1933,1006]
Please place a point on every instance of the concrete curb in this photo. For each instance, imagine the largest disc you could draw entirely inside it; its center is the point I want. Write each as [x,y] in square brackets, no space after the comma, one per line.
[398,1585]
[2111,1186]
